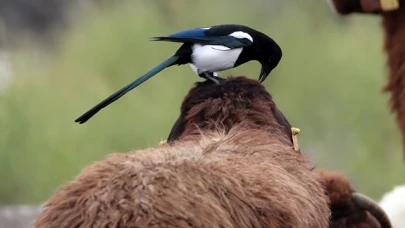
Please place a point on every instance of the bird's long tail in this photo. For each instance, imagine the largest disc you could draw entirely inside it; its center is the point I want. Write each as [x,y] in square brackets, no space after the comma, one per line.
[86,116]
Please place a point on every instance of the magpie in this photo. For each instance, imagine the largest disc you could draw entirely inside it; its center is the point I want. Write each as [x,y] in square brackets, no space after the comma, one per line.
[208,50]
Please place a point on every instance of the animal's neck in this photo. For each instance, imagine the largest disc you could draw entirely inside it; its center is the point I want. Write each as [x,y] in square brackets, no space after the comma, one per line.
[272,130]
[394,28]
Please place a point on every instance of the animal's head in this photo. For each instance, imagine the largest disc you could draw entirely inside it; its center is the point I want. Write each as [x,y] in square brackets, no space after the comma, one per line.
[238,100]
[350,208]
[364,6]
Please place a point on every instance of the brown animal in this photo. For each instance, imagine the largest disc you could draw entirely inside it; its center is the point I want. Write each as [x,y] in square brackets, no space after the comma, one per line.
[350,208]
[231,164]
[393,18]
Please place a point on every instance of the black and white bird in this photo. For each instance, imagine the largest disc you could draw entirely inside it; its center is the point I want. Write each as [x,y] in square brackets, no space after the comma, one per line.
[209,50]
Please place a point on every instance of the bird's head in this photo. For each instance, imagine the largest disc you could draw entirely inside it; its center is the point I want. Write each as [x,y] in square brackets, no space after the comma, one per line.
[345,7]
[269,54]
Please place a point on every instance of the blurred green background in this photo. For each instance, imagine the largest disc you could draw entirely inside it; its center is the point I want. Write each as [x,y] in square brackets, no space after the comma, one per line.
[328,84]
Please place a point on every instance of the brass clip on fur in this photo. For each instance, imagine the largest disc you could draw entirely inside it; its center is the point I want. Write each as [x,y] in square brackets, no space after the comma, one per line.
[295,132]
[162,142]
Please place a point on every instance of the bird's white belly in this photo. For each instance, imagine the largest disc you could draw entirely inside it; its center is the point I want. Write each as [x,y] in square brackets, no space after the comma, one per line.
[213,58]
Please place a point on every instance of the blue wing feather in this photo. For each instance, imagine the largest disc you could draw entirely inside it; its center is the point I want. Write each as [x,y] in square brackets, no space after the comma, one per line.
[198,35]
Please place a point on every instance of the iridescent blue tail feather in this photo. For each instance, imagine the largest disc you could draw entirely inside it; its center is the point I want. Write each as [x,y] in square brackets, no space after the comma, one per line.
[86,116]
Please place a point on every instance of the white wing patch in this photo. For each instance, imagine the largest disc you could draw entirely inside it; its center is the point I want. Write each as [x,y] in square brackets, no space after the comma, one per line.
[220,48]
[241,35]
[212,58]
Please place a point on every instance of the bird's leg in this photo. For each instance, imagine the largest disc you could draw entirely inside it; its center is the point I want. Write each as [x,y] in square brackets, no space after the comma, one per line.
[210,76]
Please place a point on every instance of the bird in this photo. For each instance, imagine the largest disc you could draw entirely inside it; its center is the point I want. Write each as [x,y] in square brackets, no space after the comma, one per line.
[208,50]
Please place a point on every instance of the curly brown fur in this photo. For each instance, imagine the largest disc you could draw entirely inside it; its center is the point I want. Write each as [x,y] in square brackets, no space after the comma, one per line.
[208,106]
[231,165]
[345,212]
[245,178]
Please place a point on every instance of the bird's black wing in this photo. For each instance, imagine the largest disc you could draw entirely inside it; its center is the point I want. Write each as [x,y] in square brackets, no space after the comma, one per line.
[204,36]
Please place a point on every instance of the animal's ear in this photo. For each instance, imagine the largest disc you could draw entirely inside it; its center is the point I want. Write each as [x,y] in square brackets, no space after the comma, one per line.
[177,129]
[280,118]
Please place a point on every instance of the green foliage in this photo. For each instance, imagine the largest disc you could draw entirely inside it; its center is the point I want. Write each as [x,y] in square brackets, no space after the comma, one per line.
[328,84]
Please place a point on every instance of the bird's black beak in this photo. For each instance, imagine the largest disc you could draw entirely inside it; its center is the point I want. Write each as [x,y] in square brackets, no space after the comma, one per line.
[266,69]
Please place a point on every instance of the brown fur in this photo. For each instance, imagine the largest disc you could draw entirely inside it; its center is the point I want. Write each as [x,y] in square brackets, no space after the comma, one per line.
[394,27]
[345,213]
[196,108]
[357,6]
[238,99]
[394,46]
[347,6]
[242,174]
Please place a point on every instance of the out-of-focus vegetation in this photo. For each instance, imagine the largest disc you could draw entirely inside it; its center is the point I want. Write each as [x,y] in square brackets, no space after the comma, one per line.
[328,84]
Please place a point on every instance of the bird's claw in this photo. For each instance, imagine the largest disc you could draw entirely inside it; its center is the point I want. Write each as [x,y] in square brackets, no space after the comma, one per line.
[214,79]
